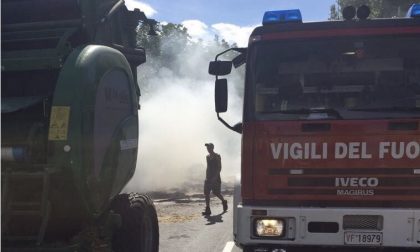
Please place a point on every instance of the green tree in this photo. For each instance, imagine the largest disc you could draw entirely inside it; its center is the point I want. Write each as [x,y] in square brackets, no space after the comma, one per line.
[172,52]
[150,43]
[174,41]
[334,13]
[379,8]
[174,34]
[161,49]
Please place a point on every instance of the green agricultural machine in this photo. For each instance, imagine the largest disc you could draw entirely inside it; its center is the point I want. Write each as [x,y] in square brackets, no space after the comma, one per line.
[69,127]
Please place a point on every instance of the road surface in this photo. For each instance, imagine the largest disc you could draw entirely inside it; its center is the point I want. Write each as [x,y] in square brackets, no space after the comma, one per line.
[184,229]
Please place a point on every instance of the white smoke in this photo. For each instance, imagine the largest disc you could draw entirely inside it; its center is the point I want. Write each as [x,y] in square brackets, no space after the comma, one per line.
[177,118]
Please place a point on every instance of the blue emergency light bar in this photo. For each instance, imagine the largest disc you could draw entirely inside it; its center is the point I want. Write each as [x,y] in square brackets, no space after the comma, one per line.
[414,11]
[282,16]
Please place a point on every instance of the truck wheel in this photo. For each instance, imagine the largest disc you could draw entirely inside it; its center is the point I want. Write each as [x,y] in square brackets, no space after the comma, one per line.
[139,231]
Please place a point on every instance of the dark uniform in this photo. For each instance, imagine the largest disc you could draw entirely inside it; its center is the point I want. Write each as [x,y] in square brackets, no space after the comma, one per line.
[213,181]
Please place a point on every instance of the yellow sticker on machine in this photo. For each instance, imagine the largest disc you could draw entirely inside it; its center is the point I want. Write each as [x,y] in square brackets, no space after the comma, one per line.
[59,123]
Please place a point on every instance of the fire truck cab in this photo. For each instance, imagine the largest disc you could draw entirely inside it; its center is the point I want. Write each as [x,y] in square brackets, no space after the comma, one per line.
[330,133]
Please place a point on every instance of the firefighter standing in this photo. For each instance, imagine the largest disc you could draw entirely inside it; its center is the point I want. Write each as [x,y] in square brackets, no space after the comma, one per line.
[213,181]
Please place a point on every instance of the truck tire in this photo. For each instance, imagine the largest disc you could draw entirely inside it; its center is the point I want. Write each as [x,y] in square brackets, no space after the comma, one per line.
[139,231]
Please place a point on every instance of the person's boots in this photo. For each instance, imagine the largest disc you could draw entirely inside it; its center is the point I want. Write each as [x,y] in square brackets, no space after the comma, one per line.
[225,205]
[207,211]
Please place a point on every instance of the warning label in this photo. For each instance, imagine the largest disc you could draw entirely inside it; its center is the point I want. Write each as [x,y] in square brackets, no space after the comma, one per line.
[59,123]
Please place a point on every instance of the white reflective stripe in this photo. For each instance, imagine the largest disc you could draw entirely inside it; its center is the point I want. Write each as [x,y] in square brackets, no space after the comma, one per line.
[416,171]
[229,246]
[296,171]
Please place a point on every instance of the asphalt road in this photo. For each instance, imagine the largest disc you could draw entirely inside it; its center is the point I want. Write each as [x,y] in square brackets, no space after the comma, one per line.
[183,228]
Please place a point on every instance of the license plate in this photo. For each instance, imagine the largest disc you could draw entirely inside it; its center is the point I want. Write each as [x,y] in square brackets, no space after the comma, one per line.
[363,238]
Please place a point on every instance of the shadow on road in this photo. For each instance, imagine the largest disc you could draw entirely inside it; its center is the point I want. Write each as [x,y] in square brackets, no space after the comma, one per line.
[183,196]
[213,219]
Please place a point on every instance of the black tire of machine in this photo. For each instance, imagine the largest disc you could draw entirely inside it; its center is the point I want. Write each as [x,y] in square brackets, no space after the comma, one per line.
[139,231]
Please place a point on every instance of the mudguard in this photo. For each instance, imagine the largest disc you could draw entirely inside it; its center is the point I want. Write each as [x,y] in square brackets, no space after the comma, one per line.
[93,128]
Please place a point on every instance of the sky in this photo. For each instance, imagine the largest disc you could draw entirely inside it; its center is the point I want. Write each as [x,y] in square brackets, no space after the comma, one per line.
[232,20]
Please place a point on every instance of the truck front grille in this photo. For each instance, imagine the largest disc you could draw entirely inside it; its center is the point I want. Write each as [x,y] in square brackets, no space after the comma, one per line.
[365,222]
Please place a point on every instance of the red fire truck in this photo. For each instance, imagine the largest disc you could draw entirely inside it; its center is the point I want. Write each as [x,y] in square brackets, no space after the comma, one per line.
[330,132]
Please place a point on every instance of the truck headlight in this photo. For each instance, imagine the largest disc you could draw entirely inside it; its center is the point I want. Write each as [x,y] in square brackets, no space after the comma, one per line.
[269,227]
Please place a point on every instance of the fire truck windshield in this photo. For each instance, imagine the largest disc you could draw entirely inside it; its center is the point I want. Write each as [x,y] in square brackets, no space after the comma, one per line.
[337,78]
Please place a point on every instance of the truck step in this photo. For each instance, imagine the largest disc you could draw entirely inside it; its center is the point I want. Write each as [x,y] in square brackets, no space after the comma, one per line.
[17,204]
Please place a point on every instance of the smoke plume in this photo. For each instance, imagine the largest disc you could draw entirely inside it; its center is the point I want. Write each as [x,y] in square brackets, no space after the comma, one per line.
[177,118]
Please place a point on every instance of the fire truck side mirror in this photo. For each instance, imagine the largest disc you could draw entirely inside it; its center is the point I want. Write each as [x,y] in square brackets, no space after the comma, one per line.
[238,127]
[239,60]
[220,67]
[221,95]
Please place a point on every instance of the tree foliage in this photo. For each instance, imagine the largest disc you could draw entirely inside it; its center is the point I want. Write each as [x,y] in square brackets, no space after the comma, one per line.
[169,37]
[379,8]
[173,49]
